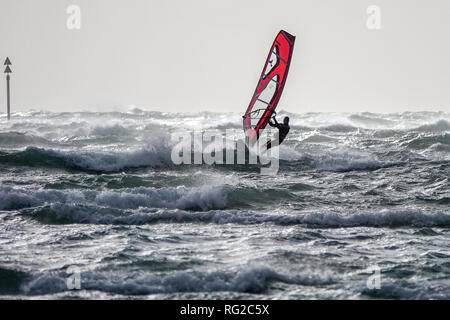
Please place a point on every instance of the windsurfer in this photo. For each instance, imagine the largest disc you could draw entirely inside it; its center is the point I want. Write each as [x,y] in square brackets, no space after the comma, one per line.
[283,130]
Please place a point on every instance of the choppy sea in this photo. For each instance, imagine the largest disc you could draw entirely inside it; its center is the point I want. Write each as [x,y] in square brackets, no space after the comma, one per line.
[92,207]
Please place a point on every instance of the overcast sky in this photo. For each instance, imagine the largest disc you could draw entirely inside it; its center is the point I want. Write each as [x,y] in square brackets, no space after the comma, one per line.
[193,55]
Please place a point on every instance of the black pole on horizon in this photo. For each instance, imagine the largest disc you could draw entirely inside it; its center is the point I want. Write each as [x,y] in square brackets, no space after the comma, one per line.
[8,97]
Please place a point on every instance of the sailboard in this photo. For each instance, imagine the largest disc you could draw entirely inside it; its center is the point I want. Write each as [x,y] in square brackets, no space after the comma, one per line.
[270,87]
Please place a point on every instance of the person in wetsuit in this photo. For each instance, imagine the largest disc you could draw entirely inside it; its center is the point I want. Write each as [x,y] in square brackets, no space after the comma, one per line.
[283,130]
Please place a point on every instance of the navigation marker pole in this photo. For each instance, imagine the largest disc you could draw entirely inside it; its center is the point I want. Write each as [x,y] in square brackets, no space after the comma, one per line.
[8,99]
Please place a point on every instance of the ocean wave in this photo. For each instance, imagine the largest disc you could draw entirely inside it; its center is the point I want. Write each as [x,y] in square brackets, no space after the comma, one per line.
[441,125]
[245,196]
[346,122]
[371,121]
[201,198]
[78,213]
[320,138]
[209,197]
[159,156]
[403,289]
[336,159]
[110,130]
[347,160]
[227,125]
[339,128]
[11,281]
[18,139]
[335,121]
[253,279]
[424,142]
[154,156]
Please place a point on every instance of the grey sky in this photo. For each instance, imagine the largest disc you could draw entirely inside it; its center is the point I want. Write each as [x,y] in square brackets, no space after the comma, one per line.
[193,55]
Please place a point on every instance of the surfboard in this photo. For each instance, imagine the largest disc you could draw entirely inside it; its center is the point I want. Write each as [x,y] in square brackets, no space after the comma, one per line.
[269,87]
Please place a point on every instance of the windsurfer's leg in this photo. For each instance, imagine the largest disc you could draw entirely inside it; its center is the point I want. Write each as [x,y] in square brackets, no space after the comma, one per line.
[272,143]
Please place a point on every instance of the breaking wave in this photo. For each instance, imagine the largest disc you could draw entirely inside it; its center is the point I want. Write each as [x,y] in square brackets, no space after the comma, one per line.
[255,279]
[19,139]
[441,125]
[66,214]
[89,161]
[337,159]
[202,198]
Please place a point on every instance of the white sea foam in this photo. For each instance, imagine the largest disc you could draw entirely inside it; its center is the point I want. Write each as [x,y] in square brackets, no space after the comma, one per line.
[200,198]
[169,206]
[151,156]
[253,279]
[336,159]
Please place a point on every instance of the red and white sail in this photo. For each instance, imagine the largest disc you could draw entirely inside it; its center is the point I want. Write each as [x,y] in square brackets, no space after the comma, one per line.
[270,86]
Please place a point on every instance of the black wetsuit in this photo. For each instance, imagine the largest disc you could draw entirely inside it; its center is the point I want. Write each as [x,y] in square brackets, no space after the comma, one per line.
[283,130]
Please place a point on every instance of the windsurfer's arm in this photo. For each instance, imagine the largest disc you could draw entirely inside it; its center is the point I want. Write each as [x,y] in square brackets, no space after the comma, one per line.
[275,123]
